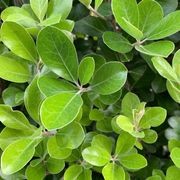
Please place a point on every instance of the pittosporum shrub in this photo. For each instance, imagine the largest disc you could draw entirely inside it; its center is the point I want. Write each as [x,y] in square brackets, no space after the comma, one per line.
[90,90]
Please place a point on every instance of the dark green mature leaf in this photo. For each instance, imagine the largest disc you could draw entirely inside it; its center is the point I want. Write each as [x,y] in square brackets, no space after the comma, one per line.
[117,42]
[17,39]
[109,78]
[58,53]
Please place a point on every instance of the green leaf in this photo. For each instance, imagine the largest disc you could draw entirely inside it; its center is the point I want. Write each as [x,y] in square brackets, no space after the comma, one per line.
[133,161]
[103,142]
[175,156]
[17,155]
[150,13]
[70,136]
[33,99]
[67,25]
[176,63]
[54,166]
[56,151]
[39,7]
[85,174]
[14,119]
[17,39]
[14,69]
[172,173]
[153,117]
[35,173]
[109,78]
[96,156]
[86,70]
[61,8]
[166,27]
[98,3]
[51,20]
[150,136]
[59,110]
[129,102]
[58,53]
[57,86]
[113,172]
[154,177]
[86,2]
[73,172]
[117,42]
[125,143]
[96,115]
[125,123]
[172,144]
[164,68]
[174,90]
[159,48]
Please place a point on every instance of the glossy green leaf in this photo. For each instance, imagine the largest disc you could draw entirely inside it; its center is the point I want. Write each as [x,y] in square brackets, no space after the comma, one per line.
[73,172]
[35,173]
[96,115]
[85,174]
[172,173]
[112,172]
[67,25]
[17,155]
[150,136]
[172,143]
[17,39]
[150,13]
[86,70]
[109,78]
[125,143]
[133,161]
[39,7]
[175,156]
[166,27]
[164,68]
[125,123]
[33,99]
[96,156]
[176,63]
[55,166]
[59,110]
[55,151]
[154,177]
[14,69]
[153,117]
[117,42]
[14,119]
[159,48]
[51,20]
[58,53]
[70,136]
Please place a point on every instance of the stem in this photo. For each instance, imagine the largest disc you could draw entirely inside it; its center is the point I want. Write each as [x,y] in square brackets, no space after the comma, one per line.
[96,13]
[48,133]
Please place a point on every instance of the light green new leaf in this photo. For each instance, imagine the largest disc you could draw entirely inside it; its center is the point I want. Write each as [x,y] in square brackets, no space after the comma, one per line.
[125,123]
[166,27]
[86,70]
[86,174]
[117,42]
[159,48]
[125,143]
[96,156]
[133,161]
[56,86]
[109,78]
[150,136]
[129,102]
[18,40]
[113,172]
[17,155]
[164,68]
[58,53]
[102,141]
[96,115]
[14,119]
[150,13]
[153,117]
[52,20]
[70,136]
[14,69]
[18,15]
[54,166]
[55,151]
[172,173]
[36,173]
[58,7]
[176,63]
[175,156]
[174,90]
[98,3]
[73,172]
[172,144]
[33,99]
[86,2]
[59,110]
[39,7]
